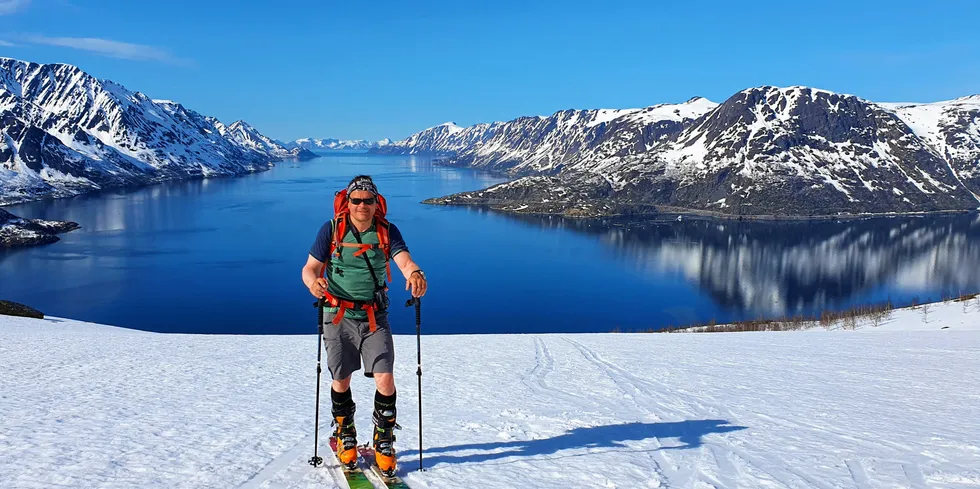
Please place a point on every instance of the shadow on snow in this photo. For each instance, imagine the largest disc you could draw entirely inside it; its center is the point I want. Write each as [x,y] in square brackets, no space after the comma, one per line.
[688,432]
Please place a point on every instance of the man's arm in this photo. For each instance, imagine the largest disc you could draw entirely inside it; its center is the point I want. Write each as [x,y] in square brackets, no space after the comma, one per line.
[405,264]
[415,281]
[319,254]
[311,277]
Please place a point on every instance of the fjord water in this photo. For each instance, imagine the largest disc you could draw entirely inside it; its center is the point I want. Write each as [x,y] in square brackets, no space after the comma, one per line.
[224,256]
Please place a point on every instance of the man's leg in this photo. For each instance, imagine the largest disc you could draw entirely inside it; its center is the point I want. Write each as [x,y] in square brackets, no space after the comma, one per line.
[384,422]
[378,351]
[343,417]
[341,385]
[385,382]
[342,361]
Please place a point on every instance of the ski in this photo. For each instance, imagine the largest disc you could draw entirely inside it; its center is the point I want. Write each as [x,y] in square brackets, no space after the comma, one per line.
[392,482]
[356,478]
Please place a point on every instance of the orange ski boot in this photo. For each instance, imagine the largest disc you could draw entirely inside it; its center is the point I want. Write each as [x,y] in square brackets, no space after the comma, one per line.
[346,436]
[384,439]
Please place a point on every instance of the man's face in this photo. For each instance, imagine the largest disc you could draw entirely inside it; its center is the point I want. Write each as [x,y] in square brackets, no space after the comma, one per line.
[362,211]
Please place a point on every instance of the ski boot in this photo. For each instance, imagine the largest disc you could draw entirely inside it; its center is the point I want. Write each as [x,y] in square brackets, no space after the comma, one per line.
[384,439]
[346,436]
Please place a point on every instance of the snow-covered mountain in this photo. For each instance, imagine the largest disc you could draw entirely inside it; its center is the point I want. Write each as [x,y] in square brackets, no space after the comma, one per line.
[547,145]
[445,139]
[245,135]
[315,145]
[952,129]
[64,132]
[793,151]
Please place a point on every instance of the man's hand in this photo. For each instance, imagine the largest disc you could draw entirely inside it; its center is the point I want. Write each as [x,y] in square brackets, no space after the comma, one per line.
[417,283]
[319,287]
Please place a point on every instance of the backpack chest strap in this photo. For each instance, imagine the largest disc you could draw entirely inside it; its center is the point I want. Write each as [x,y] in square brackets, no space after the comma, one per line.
[363,247]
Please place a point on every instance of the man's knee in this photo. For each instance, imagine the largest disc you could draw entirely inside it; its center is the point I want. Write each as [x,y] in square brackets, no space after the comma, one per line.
[342,385]
[385,382]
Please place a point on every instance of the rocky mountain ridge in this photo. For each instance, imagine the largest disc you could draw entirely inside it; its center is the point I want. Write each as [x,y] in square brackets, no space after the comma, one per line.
[765,151]
[64,132]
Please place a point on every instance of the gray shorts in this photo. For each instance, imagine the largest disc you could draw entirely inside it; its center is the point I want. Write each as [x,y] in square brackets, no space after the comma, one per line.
[352,341]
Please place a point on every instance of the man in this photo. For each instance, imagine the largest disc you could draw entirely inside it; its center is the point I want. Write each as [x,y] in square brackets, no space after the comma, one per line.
[356,324]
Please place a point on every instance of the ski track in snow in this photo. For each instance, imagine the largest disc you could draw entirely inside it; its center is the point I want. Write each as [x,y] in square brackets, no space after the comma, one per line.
[876,408]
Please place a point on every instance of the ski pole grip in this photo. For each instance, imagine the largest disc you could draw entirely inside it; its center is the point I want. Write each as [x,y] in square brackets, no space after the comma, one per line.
[319,313]
[418,308]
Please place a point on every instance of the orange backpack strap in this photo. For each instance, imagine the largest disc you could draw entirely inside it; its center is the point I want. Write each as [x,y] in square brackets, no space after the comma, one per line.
[384,242]
[339,230]
[330,249]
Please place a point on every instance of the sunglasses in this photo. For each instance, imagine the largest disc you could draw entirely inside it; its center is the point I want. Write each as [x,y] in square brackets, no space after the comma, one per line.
[356,201]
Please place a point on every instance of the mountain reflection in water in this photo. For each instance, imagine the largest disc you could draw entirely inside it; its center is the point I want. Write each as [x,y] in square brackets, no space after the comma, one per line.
[785,268]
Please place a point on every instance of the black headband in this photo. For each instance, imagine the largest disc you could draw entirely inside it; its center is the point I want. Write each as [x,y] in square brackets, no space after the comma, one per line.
[362,184]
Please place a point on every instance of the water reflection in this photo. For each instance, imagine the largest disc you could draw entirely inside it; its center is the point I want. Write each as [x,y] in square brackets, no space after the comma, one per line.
[771,269]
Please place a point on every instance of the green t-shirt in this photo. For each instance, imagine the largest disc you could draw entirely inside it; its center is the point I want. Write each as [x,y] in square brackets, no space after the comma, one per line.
[348,276]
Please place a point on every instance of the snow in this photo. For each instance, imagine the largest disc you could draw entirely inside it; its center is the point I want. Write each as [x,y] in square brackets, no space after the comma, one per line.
[605,115]
[451,127]
[692,109]
[935,122]
[63,100]
[87,405]
[13,230]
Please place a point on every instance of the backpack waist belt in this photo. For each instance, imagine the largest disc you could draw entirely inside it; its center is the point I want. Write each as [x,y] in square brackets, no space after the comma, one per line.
[343,305]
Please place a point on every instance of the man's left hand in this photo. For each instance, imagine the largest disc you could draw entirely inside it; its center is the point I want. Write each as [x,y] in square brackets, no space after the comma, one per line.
[417,283]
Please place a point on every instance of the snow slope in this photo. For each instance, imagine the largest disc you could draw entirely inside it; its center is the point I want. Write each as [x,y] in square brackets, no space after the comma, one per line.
[538,144]
[952,128]
[87,405]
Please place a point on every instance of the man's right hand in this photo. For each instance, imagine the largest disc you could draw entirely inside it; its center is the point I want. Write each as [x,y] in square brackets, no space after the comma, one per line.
[319,287]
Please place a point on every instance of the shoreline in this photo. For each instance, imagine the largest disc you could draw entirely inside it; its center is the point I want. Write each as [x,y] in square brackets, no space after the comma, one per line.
[89,191]
[868,315]
[857,317]
[18,232]
[661,211]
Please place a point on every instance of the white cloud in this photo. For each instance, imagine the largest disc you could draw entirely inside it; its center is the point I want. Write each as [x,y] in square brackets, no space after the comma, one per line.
[11,6]
[6,44]
[108,47]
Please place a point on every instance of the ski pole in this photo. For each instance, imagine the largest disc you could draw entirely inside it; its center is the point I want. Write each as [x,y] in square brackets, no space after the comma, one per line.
[418,338]
[316,460]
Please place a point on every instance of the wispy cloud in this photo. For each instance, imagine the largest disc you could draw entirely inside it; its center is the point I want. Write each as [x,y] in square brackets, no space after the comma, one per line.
[108,47]
[7,44]
[11,6]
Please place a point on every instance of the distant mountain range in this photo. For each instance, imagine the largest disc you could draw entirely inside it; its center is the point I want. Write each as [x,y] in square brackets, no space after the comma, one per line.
[64,132]
[766,151]
[327,145]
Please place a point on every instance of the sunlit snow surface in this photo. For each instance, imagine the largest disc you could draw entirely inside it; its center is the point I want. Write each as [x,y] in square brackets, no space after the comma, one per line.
[85,405]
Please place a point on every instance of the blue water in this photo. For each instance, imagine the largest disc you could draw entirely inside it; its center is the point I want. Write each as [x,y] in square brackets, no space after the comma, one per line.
[224,256]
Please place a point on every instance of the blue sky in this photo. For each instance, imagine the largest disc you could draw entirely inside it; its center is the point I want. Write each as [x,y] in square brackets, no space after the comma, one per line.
[390,68]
